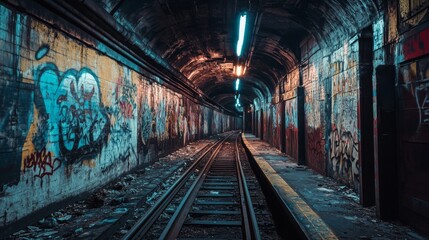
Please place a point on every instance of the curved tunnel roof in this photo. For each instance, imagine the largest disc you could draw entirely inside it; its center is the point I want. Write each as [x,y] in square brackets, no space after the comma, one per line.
[198,37]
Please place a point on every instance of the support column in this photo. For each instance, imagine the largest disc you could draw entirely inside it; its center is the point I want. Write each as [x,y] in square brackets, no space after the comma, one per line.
[385,144]
[301,125]
[282,127]
[253,119]
[261,125]
[365,119]
[244,120]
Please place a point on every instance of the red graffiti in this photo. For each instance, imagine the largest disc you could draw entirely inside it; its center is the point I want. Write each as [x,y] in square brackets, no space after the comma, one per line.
[126,109]
[42,163]
[416,45]
[292,141]
[315,148]
[124,93]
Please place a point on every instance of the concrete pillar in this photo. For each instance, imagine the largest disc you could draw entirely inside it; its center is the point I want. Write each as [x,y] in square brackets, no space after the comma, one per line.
[385,144]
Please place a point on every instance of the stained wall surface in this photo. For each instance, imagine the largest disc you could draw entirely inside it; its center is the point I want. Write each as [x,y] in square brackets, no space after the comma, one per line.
[331,92]
[342,78]
[73,118]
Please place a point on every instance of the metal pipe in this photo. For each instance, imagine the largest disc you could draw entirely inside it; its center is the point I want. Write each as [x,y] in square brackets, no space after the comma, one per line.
[255,31]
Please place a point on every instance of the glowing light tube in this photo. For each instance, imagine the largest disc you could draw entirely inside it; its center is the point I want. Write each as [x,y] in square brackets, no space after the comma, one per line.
[239,70]
[241,34]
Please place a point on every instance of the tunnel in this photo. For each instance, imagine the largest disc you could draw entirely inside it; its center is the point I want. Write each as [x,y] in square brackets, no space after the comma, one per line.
[332,94]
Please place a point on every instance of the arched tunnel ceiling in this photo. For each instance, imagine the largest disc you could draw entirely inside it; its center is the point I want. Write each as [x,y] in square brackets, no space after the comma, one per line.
[197,37]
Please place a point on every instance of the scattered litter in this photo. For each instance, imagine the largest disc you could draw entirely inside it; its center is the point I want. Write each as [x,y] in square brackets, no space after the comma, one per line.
[20,232]
[57,214]
[49,222]
[150,198]
[129,178]
[108,220]
[46,234]
[132,191]
[353,196]
[64,218]
[120,210]
[325,189]
[171,209]
[351,218]
[33,228]
[78,230]
[214,192]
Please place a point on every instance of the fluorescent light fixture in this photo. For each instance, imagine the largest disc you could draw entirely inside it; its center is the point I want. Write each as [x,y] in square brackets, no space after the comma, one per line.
[241,34]
[237,83]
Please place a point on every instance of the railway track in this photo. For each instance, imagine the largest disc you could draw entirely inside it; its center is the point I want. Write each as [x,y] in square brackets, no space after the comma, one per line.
[211,199]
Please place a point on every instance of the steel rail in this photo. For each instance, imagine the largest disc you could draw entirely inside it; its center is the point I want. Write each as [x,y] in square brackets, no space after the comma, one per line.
[145,222]
[176,222]
[251,229]
[249,222]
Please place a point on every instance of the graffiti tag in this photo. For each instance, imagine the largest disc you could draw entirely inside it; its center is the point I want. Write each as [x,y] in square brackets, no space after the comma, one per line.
[422,100]
[73,108]
[315,145]
[344,156]
[42,163]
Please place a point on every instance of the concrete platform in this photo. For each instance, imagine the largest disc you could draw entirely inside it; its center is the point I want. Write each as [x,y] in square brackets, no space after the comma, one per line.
[323,208]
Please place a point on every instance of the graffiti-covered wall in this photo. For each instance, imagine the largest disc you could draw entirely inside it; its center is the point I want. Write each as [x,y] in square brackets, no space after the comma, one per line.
[330,80]
[276,121]
[413,126]
[315,75]
[291,128]
[331,91]
[72,118]
[349,116]
[291,113]
[343,161]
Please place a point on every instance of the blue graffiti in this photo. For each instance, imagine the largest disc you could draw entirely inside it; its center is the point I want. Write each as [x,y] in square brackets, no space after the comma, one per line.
[145,122]
[160,119]
[71,102]
[15,110]
[43,51]
[122,118]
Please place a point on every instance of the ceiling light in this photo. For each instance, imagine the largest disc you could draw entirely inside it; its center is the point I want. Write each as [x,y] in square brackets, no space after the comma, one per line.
[241,34]
[239,70]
